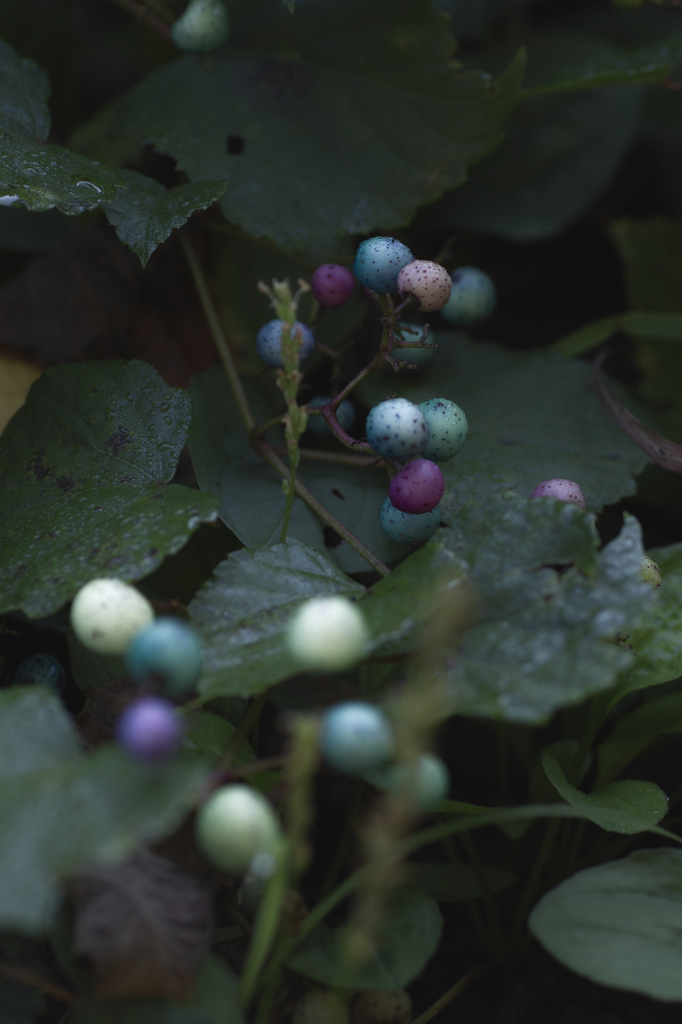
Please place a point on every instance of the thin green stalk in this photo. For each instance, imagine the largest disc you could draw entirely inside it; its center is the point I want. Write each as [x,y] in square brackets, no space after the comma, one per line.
[532,885]
[216,329]
[488,901]
[343,845]
[265,929]
[452,993]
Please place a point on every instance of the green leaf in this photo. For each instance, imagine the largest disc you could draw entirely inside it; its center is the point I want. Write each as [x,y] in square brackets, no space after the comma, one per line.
[409,937]
[626,807]
[209,734]
[663,326]
[242,614]
[603,65]
[61,809]
[619,923]
[214,1000]
[90,668]
[314,104]
[633,733]
[532,416]
[145,213]
[83,468]
[453,883]
[23,96]
[544,640]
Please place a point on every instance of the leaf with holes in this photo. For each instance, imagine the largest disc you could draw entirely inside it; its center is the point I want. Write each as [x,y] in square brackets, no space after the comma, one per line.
[84,471]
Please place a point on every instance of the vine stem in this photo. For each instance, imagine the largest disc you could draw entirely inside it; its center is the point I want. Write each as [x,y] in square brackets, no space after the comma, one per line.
[265,929]
[36,981]
[452,993]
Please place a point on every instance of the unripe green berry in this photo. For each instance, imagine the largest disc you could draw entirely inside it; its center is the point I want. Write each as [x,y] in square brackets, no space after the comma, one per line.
[327,634]
[107,613]
[382,1007]
[428,781]
[448,429]
[203,26]
[234,825]
[321,1006]
[649,572]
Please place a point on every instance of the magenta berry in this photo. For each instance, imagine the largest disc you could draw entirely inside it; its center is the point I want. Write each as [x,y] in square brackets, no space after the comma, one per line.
[562,490]
[150,729]
[427,282]
[418,487]
[332,285]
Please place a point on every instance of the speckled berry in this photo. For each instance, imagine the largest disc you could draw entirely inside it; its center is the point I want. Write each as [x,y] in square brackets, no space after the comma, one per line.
[397,429]
[236,824]
[356,737]
[332,285]
[168,648]
[203,25]
[382,1007]
[561,490]
[321,1006]
[416,356]
[473,298]
[427,282]
[378,262]
[649,572]
[448,428]
[407,527]
[327,634]
[345,414]
[428,782]
[269,342]
[107,613]
[418,487]
[41,669]
[150,730]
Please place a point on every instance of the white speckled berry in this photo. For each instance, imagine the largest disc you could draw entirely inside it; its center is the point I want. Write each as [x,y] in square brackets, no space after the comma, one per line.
[407,527]
[427,282]
[562,490]
[203,26]
[397,429]
[649,572]
[107,613]
[448,429]
[473,297]
[378,261]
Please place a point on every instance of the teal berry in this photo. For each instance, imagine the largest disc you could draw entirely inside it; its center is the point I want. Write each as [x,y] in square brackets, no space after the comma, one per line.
[472,299]
[203,25]
[428,782]
[408,527]
[378,262]
[41,669]
[345,414]
[416,356]
[269,342]
[168,648]
[397,429]
[448,429]
[356,737]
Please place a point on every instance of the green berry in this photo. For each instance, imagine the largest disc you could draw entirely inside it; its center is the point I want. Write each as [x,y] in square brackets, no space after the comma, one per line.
[448,429]
[327,634]
[428,781]
[234,825]
[649,572]
[107,613]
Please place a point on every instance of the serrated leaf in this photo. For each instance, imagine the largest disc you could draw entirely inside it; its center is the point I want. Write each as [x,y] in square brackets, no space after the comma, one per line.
[619,923]
[83,468]
[367,97]
[143,926]
[627,807]
[23,96]
[145,213]
[532,416]
[408,939]
[61,809]
[242,614]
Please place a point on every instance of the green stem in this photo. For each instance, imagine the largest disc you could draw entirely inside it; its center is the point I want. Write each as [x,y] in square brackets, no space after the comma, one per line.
[265,929]
[344,843]
[452,993]
[217,332]
[291,491]
[488,901]
[533,882]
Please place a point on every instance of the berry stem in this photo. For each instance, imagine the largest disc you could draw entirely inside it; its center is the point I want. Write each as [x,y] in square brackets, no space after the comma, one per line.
[340,458]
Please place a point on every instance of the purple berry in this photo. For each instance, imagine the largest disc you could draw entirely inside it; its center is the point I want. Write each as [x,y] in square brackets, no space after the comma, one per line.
[332,285]
[562,490]
[417,488]
[150,729]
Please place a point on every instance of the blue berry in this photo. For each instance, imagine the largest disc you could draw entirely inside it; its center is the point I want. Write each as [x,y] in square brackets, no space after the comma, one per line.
[168,648]
[448,428]
[203,25]
[378,262]
[408,527]
[150,729]
[473,297]
[429,784]
[269,342]
[397,429]
[356,737]
[345,414]
[41,669]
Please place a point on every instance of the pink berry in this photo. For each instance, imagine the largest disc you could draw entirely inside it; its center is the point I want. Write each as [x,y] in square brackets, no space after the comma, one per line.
[427,282]
[332,285]
[562,490]
[417,488]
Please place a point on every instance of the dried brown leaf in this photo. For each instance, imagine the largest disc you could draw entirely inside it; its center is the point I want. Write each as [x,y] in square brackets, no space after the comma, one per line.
[665,453]
[143,925]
